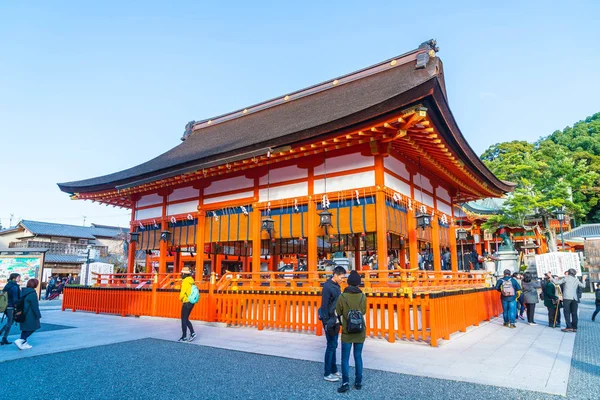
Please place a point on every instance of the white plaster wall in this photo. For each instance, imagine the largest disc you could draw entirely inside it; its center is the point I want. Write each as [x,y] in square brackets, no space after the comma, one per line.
[225,185]
[180,208]
[426,182]
[426,199]
[445,208]
[149,199]
[443,194]
[184,193]
[229,197]
[346,182]
[149,213]
[396,166]
[284,174]
[284,192]
[396,184]
[345,163]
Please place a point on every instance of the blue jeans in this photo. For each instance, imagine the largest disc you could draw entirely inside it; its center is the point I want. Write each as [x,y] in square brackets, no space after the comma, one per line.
[358,364]
[509,311]
[330,364]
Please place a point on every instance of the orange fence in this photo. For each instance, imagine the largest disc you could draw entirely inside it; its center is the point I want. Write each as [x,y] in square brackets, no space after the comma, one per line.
[426,317]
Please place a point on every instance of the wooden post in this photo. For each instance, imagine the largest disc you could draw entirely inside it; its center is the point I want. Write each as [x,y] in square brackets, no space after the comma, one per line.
[312,260]
[453,248]
[131,257]
[200,244]
[435,244]
[162,260]
[382,247]
[256,238]
[413,245]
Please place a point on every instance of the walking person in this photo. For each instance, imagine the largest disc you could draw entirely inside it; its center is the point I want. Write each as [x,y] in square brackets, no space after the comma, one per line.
[530,296]
[189,296]
[351,307]
[520,300]
[13,291]
[31,311]
[570,298]
[551,301]
[509,289]
[329,297]
[597,302]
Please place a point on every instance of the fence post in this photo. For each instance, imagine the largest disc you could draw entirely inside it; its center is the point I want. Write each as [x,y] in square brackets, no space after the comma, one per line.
[154,295]
[211,300]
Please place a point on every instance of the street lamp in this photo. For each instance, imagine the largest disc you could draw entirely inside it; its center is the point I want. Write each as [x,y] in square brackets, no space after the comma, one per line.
[560,216]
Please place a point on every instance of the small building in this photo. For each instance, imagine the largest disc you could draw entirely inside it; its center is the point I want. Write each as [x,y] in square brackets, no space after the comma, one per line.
[68,244]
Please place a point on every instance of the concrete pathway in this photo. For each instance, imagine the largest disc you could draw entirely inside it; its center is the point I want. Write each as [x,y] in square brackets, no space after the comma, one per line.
[534,358]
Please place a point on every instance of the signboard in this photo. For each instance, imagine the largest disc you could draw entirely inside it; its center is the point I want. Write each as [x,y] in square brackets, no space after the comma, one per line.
[28,267]
[591,250]
[557,263]
[89,278]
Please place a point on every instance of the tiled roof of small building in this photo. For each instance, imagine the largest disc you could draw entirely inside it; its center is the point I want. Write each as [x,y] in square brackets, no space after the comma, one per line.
[584,231]
[71,231]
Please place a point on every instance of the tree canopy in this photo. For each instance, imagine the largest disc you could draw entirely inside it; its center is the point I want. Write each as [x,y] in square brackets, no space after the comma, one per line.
[560,170]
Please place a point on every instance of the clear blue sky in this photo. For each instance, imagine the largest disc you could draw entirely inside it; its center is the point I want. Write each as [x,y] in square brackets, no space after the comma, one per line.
[90,88]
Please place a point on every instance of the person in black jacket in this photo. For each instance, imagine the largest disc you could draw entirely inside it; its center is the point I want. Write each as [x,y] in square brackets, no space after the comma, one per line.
[31,310]
[13,290]
[331,292]
[597,302]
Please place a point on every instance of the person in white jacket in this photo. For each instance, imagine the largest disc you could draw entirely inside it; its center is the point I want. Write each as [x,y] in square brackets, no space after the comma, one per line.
[570,298]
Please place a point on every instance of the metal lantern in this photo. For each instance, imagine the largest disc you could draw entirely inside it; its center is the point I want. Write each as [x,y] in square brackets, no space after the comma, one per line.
[423,220]
[461,234]
[134,237]
[325,220]
[268,225]
[560,214]
[165,236]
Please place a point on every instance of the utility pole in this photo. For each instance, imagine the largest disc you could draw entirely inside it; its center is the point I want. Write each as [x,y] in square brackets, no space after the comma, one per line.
[84,217]
[10,221]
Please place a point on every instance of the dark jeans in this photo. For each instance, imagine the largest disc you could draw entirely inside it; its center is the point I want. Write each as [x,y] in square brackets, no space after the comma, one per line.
[551,313]
[330,354]
[6,328]
[521,305]
[596,312]
[530,312]
[26,334]
[186,310]
[358,364]
[509,311]
[570,311]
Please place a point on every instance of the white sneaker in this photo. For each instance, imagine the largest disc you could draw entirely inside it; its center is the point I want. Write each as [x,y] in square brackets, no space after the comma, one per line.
[338,374]
[331,378]
[19,344]
[532,323]
[26,346]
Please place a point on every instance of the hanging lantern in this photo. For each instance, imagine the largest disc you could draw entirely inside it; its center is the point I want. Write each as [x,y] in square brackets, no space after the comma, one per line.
[268,225]
[423,220]
[134,237]
[325,220]
[165,236]
[461,234]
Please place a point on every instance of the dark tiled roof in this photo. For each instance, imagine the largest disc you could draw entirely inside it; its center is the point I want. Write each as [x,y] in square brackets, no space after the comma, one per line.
[584,231]
[299,119]
[487,206]
[71,231]
[69,258]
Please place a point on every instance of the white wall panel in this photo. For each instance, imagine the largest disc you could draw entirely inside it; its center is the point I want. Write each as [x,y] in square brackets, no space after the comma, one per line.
[397,184]
[225,185]
[149,200]
[443,194]
[397,167]
[184,193]
[149,213]
[345,163]
[181,208]
[229,197]
[427,199]
[284,192]
[346,182]
[445,208]
[285,174]
[426,182]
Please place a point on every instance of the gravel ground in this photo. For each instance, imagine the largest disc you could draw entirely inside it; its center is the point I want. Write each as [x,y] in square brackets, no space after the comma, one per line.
[157,369]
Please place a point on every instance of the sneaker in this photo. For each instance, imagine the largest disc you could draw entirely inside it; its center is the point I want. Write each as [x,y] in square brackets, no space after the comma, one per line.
[19,343]
[506,324]
[531,323]
[358,386]
[192,337]
[512,326]
[182,339]
[573,330]
[331,378]
[567,330]
[344,388]
[338,374]
[26,346]
[521,317]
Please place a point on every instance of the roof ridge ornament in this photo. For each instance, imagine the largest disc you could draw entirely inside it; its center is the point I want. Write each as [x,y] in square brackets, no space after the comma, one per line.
[189,128]
[431,49]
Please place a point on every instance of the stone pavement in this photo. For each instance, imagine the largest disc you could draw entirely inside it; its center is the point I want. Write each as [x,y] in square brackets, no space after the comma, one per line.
[534,358]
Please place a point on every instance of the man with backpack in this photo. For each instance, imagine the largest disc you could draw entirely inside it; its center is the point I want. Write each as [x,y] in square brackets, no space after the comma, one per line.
[351,307]
[508,288]
[10,296]
[189,296]
[329,296]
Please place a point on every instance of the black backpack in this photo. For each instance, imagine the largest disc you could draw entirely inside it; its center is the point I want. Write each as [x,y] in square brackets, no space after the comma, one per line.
[355,323]
[20,313]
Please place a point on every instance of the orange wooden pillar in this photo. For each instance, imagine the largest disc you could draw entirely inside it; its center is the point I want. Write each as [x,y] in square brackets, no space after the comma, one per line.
[162,260]
[200,244]
[435,244]
[382,246]
[131,257]
[256,238]
[312,260]
[453,248]
[413,245]
[148,263]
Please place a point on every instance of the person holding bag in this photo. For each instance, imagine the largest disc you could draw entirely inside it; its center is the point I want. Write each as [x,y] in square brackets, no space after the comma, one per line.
[551,301]
[530,296]
[351,307]
[329,297]
[28,314]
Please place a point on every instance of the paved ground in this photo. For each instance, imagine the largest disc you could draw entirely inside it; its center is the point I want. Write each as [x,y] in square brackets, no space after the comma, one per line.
[133,363]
